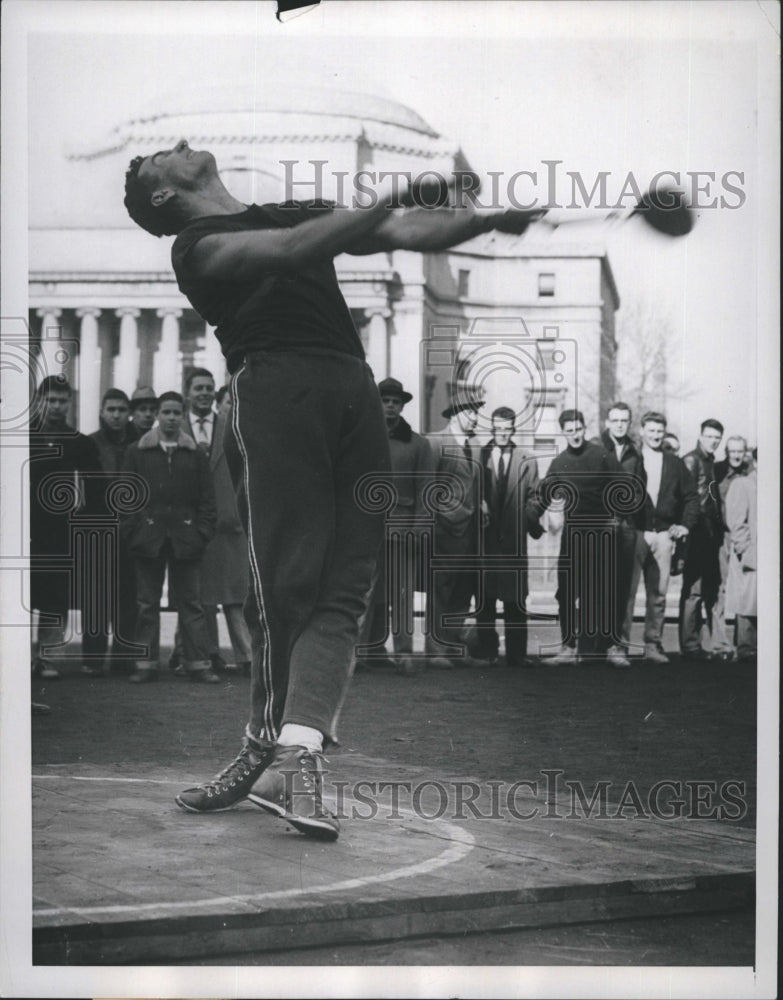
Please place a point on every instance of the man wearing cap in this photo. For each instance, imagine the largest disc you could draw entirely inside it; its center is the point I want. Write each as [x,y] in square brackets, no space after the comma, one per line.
[144,411]
[412,464]
[113,439]
[458,524]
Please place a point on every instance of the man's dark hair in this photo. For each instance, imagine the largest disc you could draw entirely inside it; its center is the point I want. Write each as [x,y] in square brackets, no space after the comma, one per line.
[176,396]
[670,442]
[567,416]
[160,221]
[504,413]
[653,417]
[714,424]
[197,373]
[620,406]
[115,394]
[54,383]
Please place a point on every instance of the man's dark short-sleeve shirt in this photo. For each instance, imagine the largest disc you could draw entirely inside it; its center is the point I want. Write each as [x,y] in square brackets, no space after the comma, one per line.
[281,309]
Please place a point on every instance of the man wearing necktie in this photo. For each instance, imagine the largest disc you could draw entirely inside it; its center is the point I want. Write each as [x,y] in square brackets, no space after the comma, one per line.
[200,397]
[510,477]
[200,424]
[457,529]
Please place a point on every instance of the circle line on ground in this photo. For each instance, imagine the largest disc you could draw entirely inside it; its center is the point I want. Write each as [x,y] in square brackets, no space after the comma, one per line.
[462,843]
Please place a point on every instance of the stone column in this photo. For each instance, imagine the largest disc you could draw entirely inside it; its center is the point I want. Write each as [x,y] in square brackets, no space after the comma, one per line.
[52,359]
[126,364]
[166,365]
[89,369]
[405,364]
[378,342]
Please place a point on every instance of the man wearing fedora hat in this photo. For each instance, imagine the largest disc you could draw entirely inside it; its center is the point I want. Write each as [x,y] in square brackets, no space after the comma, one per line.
[458,526]
[412,466]
[144,410]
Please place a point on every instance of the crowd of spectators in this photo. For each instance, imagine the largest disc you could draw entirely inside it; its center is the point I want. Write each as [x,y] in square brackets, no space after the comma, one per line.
[152,485]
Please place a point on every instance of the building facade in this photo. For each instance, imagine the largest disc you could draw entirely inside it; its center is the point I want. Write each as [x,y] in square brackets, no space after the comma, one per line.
[526,321]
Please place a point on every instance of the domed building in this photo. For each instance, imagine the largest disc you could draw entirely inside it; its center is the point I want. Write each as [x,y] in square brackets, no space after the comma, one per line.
[526,321]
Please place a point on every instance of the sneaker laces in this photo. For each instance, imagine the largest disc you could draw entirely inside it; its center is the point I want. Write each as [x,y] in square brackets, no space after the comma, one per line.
[311,773]
[240,767]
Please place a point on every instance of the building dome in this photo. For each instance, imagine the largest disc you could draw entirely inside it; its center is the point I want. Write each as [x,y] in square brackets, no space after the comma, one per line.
[227,114]
[320,101]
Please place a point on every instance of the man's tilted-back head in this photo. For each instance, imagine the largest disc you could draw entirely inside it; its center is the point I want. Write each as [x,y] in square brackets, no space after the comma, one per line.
[161,219]
[160,189]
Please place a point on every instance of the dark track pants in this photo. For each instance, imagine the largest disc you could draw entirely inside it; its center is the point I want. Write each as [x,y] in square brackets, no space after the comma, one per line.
[306,429]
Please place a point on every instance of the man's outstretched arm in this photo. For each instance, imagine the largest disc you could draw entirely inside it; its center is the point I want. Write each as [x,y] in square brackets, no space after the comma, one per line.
[433,229]
[244,256]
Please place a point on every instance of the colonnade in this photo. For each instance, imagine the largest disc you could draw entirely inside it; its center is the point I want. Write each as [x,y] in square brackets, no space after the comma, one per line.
[74,348]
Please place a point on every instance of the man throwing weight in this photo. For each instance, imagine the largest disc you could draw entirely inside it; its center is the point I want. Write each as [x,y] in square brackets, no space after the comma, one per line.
[307,426]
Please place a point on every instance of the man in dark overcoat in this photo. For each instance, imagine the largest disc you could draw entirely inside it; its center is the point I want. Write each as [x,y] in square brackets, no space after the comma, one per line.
[412,465]
[510,478]
[458,524]
[225,568]
[61,463]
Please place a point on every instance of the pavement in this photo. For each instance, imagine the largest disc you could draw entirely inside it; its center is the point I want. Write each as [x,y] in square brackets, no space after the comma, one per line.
[429,847]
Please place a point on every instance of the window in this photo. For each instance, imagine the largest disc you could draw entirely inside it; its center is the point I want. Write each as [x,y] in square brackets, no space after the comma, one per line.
[463,284]
[546,285]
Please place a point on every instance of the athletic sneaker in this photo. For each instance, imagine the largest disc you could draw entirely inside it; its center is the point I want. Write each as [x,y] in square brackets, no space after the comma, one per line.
[144,675]
[93,670]
[440,663]
[292,787]
[697,654]
[653,653]
[565,657]
[45,671]
[407,666]
[233,783]
[615,657]
[203,676]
